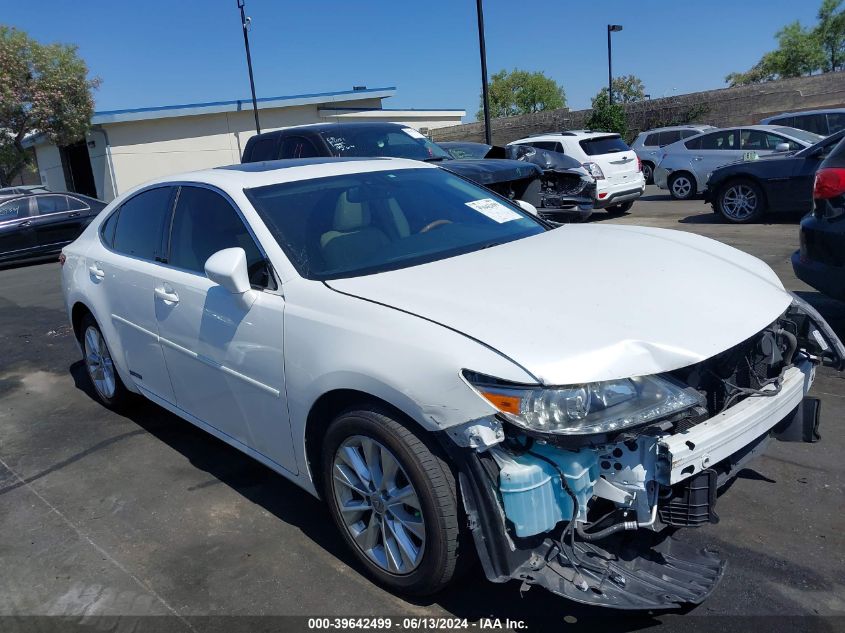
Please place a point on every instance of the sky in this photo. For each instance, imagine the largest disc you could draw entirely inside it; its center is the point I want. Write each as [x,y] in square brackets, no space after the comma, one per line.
[166,52]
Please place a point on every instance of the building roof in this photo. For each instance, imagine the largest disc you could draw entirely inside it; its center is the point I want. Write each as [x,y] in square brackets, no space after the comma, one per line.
[191,109]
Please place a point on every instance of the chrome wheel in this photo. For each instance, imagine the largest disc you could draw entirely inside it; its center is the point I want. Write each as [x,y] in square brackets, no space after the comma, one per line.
[739,202]
[681,187]
[378,505]
[99,363]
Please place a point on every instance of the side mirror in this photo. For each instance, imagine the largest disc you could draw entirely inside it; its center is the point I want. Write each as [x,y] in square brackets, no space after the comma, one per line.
[228,268]
[782,147]
[527,206]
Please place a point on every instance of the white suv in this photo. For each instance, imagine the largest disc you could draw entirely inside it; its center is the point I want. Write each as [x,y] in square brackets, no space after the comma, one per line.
[614,165]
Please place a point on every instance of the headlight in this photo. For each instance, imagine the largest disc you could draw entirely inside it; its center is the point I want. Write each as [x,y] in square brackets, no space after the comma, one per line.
[596,407]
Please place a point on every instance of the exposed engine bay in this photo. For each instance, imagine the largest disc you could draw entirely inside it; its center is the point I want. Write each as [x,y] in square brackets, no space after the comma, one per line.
[587,517]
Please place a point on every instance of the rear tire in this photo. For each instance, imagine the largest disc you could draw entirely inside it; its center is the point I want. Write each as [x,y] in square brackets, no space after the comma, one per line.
[648,173]
[99,366]
[418,506]
[740,201]
[682,186]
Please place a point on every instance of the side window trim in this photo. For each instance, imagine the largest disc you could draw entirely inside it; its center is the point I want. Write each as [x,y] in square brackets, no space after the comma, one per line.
[274,278]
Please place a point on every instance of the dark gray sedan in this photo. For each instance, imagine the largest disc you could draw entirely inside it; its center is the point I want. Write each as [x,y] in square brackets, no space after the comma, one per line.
[34,225]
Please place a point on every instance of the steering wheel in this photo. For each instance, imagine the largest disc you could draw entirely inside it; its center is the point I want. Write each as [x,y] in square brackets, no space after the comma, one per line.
[434,225]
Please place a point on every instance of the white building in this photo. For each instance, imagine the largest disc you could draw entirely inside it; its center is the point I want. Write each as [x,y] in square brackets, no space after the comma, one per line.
[128,147]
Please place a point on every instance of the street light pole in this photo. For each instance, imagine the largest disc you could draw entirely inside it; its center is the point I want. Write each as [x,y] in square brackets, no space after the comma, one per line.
[245,21]
[611,28]
[485,96]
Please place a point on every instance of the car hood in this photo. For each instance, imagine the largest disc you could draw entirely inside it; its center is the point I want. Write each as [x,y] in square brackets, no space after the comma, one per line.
[585,303]
[488,171]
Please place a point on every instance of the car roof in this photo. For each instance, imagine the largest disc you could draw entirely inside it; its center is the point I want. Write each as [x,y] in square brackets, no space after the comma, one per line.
[691,126]
[580,134]
[819,111]
[326,127]
[248,175]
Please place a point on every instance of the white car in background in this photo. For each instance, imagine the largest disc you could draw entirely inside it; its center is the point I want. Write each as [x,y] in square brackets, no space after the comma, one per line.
[687,164]
[614,165]
[382,333]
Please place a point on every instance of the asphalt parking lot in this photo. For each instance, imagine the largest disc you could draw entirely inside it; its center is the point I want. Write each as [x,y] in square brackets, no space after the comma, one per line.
[106,515]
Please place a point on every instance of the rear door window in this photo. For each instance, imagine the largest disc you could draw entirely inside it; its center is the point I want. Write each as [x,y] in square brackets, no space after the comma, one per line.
[725,140]
[75,204]
[688,133]
[140,224]
[816,123]
[551,146]
[603,145]
[297,147]
[263,149]
[51,204]
[835,122]
[668,137]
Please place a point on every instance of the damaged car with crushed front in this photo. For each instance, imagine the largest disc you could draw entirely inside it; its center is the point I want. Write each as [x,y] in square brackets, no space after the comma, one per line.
[386,334]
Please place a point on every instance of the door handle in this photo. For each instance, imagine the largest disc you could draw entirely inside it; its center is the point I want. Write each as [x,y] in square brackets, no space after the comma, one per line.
[26,223]
[698,158]
[96,271]
[74,214]
[166,296]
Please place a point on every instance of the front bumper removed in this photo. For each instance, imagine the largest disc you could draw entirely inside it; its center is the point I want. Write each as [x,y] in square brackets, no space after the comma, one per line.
[644,570]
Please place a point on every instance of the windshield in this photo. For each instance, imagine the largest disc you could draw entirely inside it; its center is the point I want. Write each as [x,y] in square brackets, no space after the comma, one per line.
[801,135]
[603,145]
[359,224]
[396,142]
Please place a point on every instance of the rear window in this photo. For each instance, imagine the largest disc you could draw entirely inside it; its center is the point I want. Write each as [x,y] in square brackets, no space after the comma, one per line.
[603,145]
[669,137]
[811,122]
[651,140]
[263,149]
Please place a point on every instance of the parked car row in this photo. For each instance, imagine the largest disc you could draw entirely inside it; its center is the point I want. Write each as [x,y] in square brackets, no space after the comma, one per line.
[380,332]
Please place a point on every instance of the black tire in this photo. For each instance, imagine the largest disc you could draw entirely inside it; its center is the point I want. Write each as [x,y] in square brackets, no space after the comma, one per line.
[648,172]
[445,550]
[726,202]
[117,398]
[620,209]
[682,185]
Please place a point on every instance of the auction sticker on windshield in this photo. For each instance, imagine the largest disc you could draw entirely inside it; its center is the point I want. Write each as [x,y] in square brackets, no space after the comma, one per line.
[494,210]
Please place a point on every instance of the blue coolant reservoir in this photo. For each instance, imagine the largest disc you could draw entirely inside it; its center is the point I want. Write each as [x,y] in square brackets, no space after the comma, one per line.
[533,497]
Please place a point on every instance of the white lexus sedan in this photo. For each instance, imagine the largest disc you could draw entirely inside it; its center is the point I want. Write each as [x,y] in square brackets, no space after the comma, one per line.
[393,338]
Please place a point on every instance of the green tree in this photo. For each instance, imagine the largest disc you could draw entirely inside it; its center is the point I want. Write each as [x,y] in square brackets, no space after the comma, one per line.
[521,92]
[44,88]
[830,33]
[607,117]
[626,89]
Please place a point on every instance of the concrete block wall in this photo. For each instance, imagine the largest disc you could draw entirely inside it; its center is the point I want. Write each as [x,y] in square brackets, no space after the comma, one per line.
[725,107]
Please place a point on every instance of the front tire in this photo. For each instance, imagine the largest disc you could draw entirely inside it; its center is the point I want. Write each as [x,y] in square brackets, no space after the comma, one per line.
[99,366]
[394,501]
[740,201]
[682,186]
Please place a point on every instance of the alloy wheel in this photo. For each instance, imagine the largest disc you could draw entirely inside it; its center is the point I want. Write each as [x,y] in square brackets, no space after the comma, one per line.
[378,504]
[739,202]
[681,187]
[647,172]
[99,363]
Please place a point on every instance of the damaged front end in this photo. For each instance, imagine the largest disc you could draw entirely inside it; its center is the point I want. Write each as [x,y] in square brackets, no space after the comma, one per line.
[573,488]
[567,190]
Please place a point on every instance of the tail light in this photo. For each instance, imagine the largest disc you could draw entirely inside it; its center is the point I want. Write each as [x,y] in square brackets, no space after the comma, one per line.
[595,170]
[830,182]
[62,259]
[639,164]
